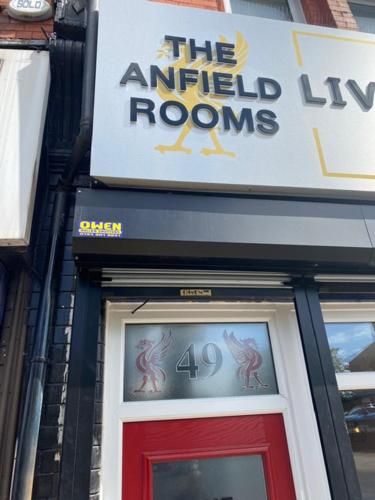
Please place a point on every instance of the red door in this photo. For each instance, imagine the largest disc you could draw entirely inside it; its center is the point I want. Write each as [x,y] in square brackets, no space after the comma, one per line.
[221,458]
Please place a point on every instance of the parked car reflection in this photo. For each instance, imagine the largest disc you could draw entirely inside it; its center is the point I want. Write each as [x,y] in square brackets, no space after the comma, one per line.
[360,422]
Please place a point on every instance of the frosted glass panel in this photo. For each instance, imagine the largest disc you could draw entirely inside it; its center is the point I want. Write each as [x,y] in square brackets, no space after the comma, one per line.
[273,9]
[174,361]
[227,478]
[365,16]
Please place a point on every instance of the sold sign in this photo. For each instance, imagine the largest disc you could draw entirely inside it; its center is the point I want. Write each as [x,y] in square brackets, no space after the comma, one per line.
[29,9]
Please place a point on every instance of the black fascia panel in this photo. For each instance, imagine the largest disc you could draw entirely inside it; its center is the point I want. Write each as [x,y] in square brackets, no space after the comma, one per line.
[181,225]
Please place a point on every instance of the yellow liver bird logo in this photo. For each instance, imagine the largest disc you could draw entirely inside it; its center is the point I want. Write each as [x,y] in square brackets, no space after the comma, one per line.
[193,95]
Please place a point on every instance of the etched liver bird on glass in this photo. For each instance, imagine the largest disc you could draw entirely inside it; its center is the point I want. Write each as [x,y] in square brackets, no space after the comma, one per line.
[246,354]
[149,360]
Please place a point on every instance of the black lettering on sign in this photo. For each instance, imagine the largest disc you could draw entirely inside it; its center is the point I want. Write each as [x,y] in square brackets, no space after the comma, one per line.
[241,89]
[365,99]
[225,53]
[213,116]
[268,124]
[176,40]
[141,106]
[174,122]
[188,76]
[307,92]
[238,122]
[269,89]
[157,75]
[134,74]
[195,49]
[334,85]
[223,83]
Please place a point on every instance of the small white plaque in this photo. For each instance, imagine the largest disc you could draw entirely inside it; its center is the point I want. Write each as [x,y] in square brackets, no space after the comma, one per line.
[29,9]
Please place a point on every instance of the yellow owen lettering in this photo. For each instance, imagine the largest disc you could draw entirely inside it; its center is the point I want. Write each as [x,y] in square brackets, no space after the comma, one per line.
[95,225]
[84,224]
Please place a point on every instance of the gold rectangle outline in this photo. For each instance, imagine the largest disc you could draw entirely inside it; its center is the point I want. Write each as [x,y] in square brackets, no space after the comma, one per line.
[318,145]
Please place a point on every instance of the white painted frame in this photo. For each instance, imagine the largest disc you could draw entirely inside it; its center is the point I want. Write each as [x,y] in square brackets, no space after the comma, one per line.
[370,3]
[294,6]
[293,401]
[351,313]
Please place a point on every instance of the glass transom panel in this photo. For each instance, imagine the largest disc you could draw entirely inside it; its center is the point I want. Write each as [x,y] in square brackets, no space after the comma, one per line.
[180,361]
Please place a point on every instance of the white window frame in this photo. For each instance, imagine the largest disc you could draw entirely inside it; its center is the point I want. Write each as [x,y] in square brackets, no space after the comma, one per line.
[293,401]
[294,6]
[371,3]
[351,313]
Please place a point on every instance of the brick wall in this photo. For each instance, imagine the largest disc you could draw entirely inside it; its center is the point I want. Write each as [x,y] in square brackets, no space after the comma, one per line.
[335,13]
[17,30]
[201,4]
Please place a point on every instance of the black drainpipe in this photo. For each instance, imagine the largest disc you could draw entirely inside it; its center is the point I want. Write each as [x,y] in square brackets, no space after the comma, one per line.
[31,414]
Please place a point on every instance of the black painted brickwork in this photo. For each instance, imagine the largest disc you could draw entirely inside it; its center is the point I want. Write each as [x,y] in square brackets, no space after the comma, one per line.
[47,474]
[62,126]
[46,481]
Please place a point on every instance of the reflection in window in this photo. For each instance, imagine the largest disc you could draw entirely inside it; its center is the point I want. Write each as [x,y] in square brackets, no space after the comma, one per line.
[225,478]
[359,408]
[272,9]
[352,346]
[365,16]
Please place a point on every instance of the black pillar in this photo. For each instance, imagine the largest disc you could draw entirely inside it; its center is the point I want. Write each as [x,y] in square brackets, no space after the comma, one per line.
[336,445]
[80,403]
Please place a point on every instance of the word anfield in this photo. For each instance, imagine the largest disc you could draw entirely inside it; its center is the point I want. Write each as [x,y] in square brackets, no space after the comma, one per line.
[194,89]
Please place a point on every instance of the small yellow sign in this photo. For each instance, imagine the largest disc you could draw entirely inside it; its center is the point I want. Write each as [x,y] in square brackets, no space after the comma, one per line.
[195,292]
[100,229]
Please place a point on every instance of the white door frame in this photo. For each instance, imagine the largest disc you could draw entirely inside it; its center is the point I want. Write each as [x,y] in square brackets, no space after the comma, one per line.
[293,401]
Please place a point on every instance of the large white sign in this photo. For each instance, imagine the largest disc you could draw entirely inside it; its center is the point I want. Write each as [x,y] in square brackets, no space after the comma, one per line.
[198,99]
[24,86]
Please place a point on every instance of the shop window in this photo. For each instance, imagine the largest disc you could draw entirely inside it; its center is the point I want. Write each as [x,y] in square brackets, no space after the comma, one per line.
[273,9]
[352,346]
[364,14]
